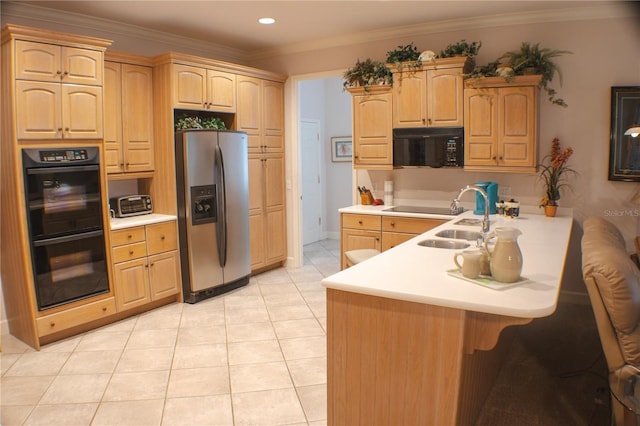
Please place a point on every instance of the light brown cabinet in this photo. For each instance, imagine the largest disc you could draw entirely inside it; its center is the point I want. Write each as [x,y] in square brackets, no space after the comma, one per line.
[128,119]
[58,91]
[429,96]
[380,232]
[146,264]
[267,220]
[501,124]
[261,113]
[76,316]
[372,127]
[203,89]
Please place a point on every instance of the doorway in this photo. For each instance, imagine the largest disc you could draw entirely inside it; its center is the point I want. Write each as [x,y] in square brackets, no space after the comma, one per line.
[312,182]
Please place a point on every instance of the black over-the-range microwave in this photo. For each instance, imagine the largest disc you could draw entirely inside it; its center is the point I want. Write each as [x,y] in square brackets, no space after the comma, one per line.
[428,147]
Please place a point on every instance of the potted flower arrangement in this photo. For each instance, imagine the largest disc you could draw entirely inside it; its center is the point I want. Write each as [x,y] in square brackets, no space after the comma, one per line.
[553,171]
[407,53]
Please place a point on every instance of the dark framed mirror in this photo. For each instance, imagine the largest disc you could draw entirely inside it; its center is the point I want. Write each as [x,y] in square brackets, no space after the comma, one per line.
[624,151]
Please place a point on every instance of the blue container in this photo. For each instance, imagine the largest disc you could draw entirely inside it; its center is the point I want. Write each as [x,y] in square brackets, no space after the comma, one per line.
[491,188]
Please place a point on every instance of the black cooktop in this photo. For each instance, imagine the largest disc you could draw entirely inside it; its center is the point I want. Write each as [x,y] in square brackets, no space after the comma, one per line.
[424,210]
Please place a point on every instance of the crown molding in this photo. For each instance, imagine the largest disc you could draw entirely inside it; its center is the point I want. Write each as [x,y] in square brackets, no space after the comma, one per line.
[84,24]
[583,13]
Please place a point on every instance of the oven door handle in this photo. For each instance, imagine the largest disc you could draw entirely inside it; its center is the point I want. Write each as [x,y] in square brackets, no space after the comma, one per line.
[62,169]
[67,238]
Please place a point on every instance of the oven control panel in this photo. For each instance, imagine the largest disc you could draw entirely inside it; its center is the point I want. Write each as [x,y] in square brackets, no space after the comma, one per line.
[57,156]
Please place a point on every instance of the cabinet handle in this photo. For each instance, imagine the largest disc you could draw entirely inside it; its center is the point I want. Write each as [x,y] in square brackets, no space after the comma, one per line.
[129,236]
[59,129]
[146,265]
[424,121]
[58,72]
[429,120]
[53,324]
[152,264]
[359,222]
[377,239]
[130,252]
[392,224]
[104,309]
[162,237]
[66,129]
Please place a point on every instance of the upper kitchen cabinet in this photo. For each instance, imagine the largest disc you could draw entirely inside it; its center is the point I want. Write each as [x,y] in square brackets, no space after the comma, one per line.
[203,89]
[430,95]
[501,124]
[58,83]
[128,118]
[372,129]
[261,113]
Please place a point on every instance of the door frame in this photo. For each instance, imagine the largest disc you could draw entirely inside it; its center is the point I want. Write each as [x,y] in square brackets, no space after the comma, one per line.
[293,164]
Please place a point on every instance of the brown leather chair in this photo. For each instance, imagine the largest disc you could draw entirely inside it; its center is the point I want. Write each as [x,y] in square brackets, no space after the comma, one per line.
[613,283]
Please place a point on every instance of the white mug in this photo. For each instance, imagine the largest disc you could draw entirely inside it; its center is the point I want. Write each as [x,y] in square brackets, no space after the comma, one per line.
[471,263]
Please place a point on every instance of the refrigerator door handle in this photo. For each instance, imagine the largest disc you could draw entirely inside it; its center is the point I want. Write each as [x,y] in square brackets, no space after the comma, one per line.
[221,225]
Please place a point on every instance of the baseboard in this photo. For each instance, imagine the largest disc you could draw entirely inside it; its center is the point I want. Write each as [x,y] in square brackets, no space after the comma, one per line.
[577,298]
[333,235]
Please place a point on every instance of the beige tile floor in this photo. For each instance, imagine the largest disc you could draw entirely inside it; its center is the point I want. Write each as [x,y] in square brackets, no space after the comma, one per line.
[254,356]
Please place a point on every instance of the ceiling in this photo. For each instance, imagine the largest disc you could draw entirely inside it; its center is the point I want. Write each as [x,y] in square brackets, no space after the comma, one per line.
[234,23]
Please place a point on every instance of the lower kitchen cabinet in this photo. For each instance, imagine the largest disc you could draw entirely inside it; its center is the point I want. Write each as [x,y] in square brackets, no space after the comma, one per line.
[267,222]
[73,317]
[146,264]
[367,231]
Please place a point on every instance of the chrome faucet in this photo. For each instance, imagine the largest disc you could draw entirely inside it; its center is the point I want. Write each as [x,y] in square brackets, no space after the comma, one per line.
[485,220]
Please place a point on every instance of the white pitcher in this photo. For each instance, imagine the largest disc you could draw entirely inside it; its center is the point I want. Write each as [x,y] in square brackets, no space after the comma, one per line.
[505,260]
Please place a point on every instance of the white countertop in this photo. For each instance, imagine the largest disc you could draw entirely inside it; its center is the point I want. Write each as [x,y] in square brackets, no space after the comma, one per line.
[418,274]
[145,219]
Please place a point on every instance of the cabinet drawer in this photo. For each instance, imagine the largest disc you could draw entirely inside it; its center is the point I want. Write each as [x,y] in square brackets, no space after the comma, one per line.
[127,236]
[361,221]
[162,237]
[411,225]
[79,315]
[129,252]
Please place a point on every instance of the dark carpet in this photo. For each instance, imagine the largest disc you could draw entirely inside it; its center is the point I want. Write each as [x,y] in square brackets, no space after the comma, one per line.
[555,374]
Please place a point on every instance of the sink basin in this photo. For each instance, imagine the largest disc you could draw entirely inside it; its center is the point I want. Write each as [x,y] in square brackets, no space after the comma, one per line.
[445,244]
[459,234]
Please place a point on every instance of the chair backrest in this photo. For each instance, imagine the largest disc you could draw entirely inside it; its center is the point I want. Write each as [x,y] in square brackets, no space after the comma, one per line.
[613,283]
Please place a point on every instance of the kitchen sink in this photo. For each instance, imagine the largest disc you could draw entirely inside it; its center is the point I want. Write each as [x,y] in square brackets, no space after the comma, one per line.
[445,244]
[459,234]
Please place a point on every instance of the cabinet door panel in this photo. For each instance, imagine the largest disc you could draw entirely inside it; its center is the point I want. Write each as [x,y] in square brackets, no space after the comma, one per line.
[137,118]
[221,91]
[445,89]
[409,99]
[249,105]
[256,230]
[392,239]
[517,126]
[38,112]
[372,127]
[112,92]
[256,183]
[273,112]
[132,284]
[81,66]
[275,237]
[164,274]
[274,181]
[189,87]
[82,111]
[37,61]
[481,127]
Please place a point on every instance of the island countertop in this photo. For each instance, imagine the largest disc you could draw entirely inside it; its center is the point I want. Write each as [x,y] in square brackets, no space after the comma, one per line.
[415,273]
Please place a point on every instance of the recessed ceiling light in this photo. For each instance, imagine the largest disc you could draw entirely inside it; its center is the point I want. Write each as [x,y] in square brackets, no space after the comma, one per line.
[266,21]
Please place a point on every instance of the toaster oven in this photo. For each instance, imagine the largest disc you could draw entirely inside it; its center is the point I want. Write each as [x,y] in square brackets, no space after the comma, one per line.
[131,205]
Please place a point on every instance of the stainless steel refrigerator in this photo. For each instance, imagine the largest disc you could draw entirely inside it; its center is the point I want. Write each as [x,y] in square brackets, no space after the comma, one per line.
[213,211]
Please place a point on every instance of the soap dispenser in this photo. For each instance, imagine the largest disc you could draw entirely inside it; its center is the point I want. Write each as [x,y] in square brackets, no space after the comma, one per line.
[491,188]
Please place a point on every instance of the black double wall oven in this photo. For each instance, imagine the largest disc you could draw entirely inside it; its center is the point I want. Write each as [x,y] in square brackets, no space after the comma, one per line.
[65,220]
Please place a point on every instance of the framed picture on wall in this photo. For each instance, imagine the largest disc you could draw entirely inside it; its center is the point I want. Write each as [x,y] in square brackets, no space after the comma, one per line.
[624,150]
[341,148]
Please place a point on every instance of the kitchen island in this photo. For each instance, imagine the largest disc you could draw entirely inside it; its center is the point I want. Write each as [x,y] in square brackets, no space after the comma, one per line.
[409,344]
